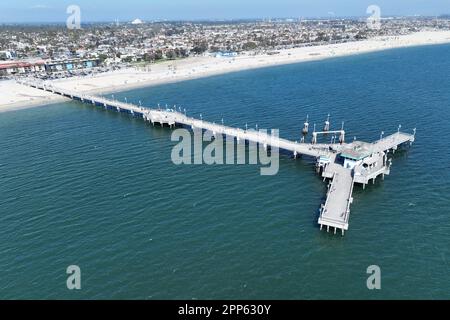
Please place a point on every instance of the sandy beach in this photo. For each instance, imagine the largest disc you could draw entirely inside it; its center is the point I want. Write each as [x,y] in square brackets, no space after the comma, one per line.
[14,96]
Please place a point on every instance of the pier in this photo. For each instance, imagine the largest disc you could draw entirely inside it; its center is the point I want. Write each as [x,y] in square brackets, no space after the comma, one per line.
[343,164]
[336,210]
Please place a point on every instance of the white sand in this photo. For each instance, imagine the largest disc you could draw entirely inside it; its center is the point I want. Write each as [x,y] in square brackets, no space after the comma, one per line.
[13,96]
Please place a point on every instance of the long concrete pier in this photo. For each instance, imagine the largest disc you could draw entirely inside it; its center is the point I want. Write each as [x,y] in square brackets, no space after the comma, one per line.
[344,164]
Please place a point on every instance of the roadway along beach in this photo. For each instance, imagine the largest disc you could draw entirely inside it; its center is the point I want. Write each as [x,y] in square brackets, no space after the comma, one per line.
[14,96]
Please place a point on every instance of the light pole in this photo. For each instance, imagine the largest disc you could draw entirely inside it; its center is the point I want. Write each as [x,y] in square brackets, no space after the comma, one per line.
[381,135]
[399,127]
[246,126]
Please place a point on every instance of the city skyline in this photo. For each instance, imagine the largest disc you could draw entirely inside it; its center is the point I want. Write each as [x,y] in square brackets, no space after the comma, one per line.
[51,11]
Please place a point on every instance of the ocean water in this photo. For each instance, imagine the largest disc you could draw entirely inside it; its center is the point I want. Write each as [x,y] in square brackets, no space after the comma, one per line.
[82,186]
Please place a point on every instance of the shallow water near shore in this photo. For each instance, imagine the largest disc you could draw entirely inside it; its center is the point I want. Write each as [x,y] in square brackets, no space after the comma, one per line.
[98,189]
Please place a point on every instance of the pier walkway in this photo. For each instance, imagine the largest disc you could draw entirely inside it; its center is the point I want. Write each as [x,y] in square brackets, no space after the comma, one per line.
[343,163]
[172,118]
[393,141]
[336,210]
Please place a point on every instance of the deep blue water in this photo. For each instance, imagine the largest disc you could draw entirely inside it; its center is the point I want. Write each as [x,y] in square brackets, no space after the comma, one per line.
[97,189]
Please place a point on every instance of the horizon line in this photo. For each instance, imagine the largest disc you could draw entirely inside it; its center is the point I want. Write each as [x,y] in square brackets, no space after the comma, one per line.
[261,19]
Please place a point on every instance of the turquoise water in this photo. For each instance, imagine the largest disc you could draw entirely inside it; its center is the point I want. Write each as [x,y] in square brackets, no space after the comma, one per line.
[97,189]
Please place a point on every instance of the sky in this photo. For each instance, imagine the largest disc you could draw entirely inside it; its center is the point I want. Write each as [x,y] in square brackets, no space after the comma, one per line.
[28,11]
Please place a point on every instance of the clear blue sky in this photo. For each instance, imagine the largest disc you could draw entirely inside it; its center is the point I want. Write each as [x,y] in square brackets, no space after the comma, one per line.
[125,10]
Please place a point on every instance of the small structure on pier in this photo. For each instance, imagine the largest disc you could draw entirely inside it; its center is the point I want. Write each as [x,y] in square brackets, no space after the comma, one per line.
[341,134]
[355,152]
[306,126]
[326,127]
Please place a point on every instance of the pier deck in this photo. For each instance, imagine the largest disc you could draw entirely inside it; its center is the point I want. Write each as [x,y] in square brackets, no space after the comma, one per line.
[172,118]
[335,212]
[392,142]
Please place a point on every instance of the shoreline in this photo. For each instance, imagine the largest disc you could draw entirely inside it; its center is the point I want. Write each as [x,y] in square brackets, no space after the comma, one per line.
[16,97]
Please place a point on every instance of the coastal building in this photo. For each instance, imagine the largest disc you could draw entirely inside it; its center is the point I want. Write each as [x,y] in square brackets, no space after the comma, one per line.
[7,55]
[137,21]
[225,54]
[10,68]
[71,64]
[20,67]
